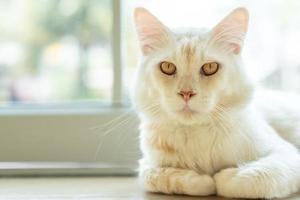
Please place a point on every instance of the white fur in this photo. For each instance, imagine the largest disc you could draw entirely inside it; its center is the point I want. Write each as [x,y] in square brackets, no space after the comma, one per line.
[227,144]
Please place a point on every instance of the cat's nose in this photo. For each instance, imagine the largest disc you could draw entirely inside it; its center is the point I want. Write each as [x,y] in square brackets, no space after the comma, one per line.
[186,95]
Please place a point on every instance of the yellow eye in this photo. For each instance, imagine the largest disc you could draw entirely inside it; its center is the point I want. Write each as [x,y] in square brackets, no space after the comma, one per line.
[209,69]
[167,68]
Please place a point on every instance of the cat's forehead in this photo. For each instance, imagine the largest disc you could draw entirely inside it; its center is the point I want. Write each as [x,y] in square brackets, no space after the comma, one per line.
[189,45]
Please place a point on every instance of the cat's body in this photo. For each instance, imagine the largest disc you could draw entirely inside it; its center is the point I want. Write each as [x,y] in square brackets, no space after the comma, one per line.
[205,134]
[233,141]
[282,111]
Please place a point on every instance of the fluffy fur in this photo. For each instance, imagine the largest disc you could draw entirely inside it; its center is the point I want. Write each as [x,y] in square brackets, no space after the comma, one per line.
[224,140]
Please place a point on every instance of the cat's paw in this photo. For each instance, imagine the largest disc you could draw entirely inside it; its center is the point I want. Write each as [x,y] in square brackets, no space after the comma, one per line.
[225,184]
[237,183]
[178,181]
[198,185]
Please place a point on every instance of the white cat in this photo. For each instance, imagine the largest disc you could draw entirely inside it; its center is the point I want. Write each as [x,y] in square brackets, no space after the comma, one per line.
[202,132]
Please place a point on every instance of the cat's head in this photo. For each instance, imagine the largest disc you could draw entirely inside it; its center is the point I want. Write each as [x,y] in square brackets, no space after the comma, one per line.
[187,75]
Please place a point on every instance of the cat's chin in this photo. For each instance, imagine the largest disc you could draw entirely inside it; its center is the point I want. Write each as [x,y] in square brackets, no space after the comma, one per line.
[189,116]
[192,120]
[187,111]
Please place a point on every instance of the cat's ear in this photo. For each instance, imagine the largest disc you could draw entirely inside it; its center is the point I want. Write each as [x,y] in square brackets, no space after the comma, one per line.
[231,31]
[152,34]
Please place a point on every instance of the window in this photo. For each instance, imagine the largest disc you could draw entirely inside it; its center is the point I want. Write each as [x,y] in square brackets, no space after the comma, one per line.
[61,86]
[55,51]
[66,66]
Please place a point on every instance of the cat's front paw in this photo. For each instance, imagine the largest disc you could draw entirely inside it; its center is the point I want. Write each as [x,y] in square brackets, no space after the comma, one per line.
[225,184]
[177,181]
[199,185]
[245,183]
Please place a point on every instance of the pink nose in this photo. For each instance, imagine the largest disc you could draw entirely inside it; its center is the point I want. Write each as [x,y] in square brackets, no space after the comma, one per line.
[186,95]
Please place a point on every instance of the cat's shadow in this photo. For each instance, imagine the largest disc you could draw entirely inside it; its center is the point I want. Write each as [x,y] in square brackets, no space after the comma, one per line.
[155,196]
[152,196]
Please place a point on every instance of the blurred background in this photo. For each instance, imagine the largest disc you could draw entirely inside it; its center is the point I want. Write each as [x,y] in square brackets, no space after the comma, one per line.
[55,50]
[60,51]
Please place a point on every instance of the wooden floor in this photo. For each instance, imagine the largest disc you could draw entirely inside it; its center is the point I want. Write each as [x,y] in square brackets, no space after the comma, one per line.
[82,188]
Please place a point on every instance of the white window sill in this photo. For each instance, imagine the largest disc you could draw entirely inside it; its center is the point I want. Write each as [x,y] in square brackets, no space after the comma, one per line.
[87,134]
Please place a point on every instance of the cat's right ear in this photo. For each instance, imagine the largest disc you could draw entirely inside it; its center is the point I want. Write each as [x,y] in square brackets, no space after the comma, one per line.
[230,32]
[152,34]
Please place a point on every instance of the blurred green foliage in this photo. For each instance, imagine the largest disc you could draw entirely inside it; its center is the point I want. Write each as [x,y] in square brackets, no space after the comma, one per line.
[42,23]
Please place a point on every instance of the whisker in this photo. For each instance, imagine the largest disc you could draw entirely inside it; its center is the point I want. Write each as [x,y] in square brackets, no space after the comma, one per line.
[116,123]
[103,135]
[97,127]
[223,113]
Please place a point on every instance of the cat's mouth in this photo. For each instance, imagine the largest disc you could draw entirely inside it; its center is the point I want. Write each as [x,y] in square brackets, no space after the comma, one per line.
[186,110]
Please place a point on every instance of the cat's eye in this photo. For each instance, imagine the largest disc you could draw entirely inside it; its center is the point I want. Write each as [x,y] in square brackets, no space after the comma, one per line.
[167,68]
[209,69]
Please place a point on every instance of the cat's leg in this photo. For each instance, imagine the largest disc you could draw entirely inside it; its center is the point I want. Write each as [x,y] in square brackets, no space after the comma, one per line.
[274,176]
[177,181]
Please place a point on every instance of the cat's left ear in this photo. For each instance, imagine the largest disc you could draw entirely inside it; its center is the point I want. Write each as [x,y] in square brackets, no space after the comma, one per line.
[230,32]
[153,34]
